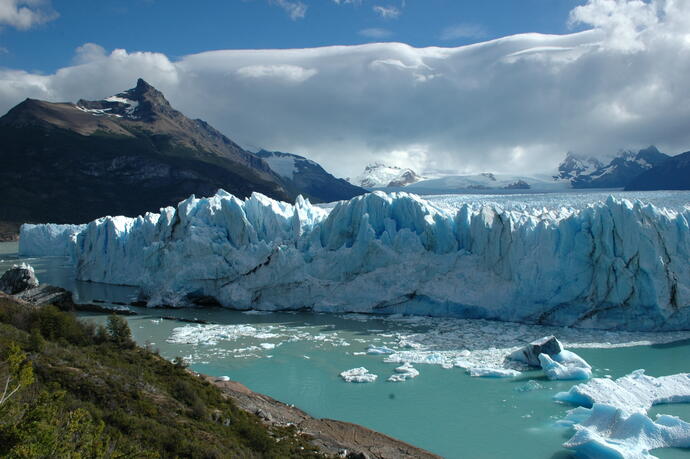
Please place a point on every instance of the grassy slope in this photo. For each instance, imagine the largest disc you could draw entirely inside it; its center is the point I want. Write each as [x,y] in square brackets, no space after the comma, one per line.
[143,405]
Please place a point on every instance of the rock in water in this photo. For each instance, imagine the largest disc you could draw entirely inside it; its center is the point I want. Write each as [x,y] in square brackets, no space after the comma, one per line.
[529,354]
[48,294]
[18,279]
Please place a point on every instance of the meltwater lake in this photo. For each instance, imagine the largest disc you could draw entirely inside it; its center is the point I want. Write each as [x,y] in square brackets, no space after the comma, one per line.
[297,358]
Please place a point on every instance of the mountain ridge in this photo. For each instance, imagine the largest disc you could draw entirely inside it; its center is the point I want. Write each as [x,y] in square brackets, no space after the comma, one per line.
[123,155]
[309,177]
[591,172]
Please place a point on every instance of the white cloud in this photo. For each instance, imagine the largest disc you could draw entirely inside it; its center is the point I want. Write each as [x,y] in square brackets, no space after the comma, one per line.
[516,104]
[89,52]
[387,12]
[291,73]
[24,14]
[462,31]
[622,20]
[375,32]
[294,9]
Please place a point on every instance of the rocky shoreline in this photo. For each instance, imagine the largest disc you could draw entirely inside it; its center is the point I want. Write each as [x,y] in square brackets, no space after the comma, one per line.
[332,437]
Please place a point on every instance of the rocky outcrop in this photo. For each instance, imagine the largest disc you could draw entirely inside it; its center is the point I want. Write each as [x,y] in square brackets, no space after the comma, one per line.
[44,295]
[529,354]
[21,283]
[18,279]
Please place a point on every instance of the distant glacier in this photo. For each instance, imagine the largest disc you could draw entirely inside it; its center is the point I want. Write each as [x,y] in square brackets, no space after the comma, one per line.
[613,264]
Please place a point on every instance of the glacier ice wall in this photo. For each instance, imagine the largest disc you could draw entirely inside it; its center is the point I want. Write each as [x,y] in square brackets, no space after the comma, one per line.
[48,240]
[613,264]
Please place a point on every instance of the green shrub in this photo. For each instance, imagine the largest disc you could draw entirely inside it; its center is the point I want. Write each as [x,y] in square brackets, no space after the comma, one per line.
[119,332]
[93,393]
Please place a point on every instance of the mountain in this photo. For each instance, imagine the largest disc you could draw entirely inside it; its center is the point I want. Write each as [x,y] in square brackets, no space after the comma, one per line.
[379,175]
[575,165]
[124,155]
[589,172]
[309,178]
[672,174]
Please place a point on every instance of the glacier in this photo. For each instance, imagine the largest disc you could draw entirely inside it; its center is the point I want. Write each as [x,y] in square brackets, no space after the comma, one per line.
[613,264]
[49,240]
[611,418]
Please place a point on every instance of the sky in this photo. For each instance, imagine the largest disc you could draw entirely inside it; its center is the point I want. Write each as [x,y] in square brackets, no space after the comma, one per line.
[501,86]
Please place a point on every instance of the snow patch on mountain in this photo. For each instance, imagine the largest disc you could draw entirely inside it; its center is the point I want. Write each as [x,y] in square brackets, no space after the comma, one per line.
[283,165]
[380,175]
[621,169]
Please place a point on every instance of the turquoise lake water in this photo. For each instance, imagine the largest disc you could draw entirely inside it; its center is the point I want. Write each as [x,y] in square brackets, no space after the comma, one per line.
[297,358]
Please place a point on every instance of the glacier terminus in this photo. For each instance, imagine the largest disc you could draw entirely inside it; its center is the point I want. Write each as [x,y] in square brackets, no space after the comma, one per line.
[611,264]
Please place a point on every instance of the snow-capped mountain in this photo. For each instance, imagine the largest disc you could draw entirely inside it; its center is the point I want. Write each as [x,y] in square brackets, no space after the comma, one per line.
[575,165]
[380,175]
[673,174]
[589,172]
[308,178]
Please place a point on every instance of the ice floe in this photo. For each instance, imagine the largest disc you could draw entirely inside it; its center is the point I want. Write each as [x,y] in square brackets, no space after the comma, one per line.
[403,373]
[494,372]
[565,365]
[447,342]
[612,421]
[358,375]
[557,362]
[379,350]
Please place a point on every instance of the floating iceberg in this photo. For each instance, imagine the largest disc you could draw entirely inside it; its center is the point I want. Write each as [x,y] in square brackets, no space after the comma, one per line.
[557,363]
[494,372]
[608,432]
[403,373]
[610,265]
[612,420]
[379,350]
[635,392]
[358,375]
[565,365]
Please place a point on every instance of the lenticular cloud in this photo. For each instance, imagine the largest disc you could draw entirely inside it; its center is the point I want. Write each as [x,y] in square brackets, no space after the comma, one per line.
[503,105]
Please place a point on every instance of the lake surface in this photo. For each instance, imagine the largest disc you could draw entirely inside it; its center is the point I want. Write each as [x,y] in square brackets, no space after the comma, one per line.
[297,358]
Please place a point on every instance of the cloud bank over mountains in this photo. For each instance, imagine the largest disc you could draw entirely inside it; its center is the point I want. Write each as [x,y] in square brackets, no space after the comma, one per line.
[515,104]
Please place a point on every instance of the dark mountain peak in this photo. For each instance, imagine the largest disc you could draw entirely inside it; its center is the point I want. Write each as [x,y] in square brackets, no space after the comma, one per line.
[652,155]
[149,98]
[650,149]
[670,174]
[625,166]
[142,103]
[144,86]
